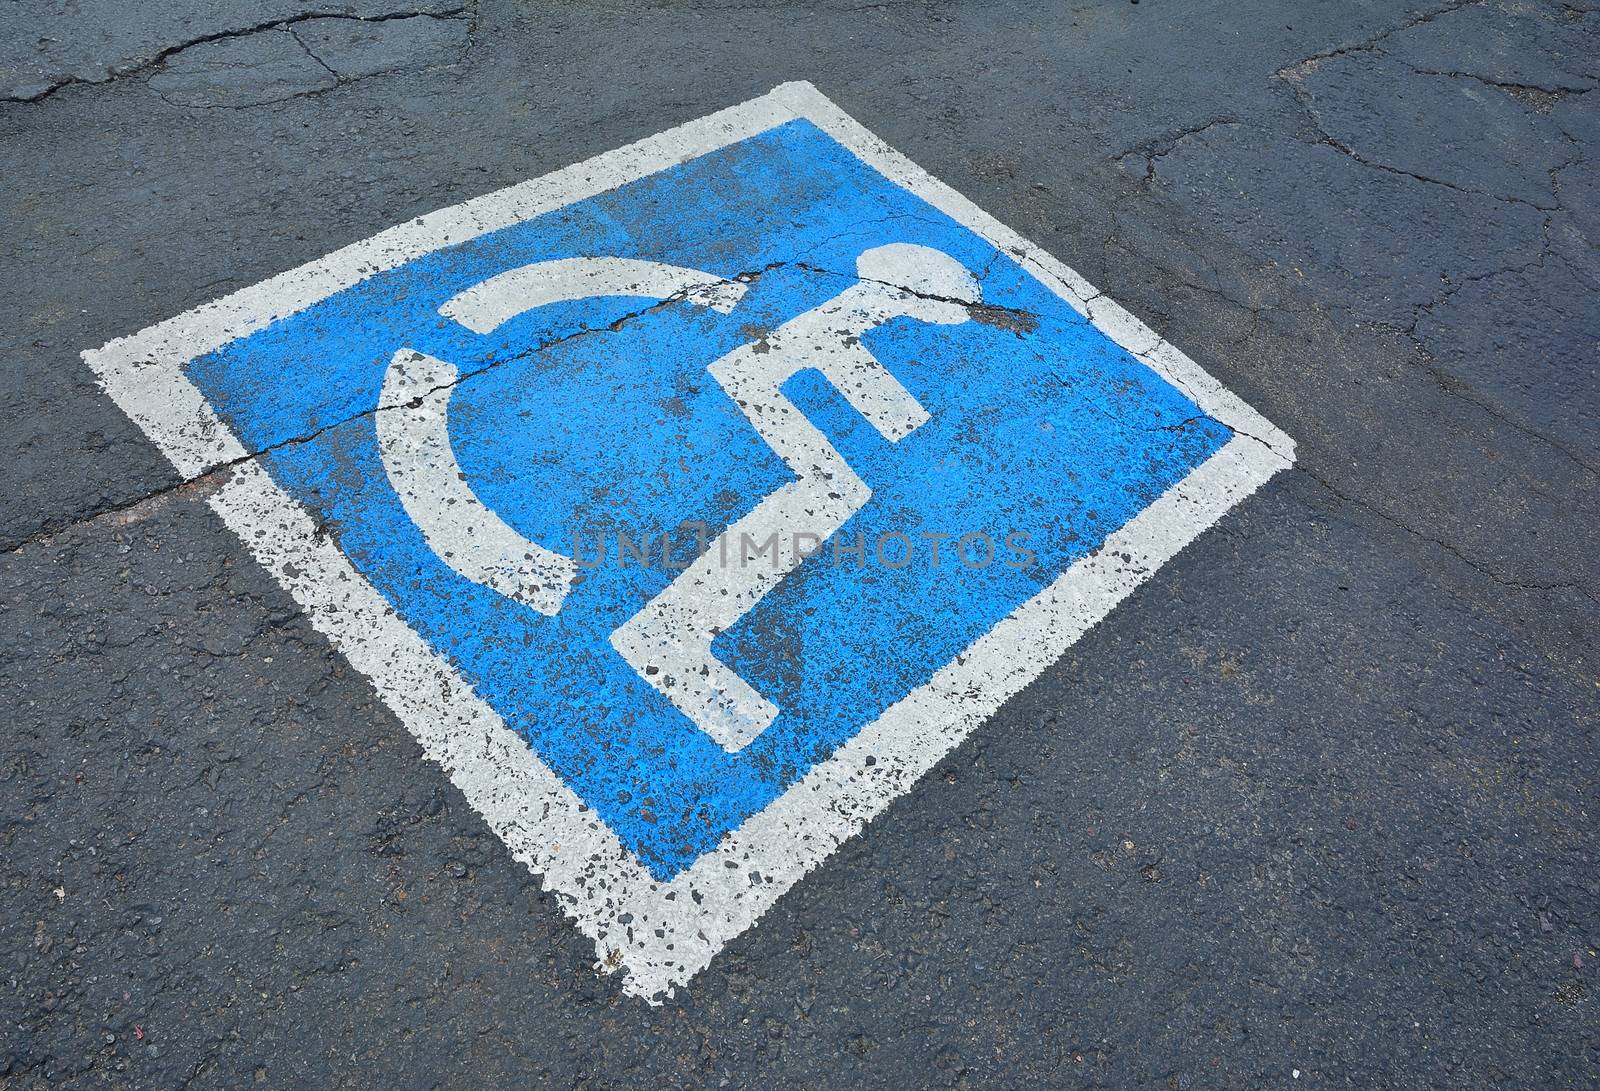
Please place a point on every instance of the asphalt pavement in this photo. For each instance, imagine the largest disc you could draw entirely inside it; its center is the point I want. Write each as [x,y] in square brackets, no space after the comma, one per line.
[1315,806]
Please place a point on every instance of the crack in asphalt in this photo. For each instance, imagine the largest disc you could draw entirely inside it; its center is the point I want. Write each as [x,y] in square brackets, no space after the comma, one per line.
[1440,543]
[1325,139]
[1558,92]
[1542,98]
[158,58]
[1163,145]
[1457,387]
[1425,309]
[1289,71]
[337,79]
[1450,386]
[1154,150]
[213,477]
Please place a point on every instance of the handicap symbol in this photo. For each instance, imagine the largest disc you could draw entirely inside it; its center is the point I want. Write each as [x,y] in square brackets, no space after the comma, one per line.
[668,641]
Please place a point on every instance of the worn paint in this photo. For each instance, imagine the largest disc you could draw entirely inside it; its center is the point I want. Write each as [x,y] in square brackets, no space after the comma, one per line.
[669,641]
[1009,399]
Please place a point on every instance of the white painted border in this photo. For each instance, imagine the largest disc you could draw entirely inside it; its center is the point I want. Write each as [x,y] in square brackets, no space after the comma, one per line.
[673,929]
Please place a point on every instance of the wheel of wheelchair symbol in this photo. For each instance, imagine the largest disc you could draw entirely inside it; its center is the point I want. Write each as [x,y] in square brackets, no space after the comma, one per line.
[668,641]
[413,429]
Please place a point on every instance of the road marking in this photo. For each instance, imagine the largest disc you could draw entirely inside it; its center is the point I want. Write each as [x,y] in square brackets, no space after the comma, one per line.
[413,431]
[668,761]
[486,307]
[414,440]
[669,640]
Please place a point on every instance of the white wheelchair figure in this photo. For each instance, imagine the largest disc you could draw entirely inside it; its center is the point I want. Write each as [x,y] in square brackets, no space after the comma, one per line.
[668,641]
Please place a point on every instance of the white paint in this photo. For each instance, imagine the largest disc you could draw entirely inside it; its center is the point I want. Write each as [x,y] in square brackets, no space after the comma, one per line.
[670,937]
[485,307]
[414,430]
[669,640]
[414,443]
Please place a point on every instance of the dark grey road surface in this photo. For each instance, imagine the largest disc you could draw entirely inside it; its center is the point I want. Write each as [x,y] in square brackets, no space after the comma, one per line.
[1316,807]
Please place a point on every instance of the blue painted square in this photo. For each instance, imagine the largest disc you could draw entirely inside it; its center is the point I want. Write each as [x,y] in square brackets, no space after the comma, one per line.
[1039,428]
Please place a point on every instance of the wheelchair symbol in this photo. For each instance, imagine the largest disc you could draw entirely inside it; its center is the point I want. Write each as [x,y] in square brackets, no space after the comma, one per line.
[668,641]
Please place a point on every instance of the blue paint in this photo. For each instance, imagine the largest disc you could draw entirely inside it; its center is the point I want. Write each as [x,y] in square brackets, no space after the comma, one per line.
[1055,433]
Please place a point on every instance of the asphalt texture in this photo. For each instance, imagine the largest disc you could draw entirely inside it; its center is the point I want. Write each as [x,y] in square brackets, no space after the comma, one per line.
[1315,807]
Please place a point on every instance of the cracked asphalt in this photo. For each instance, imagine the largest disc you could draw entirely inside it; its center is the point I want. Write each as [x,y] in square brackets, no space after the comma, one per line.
[1315,807]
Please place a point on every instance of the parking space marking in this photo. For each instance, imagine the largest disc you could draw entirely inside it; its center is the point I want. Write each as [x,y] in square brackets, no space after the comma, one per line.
[674,746]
